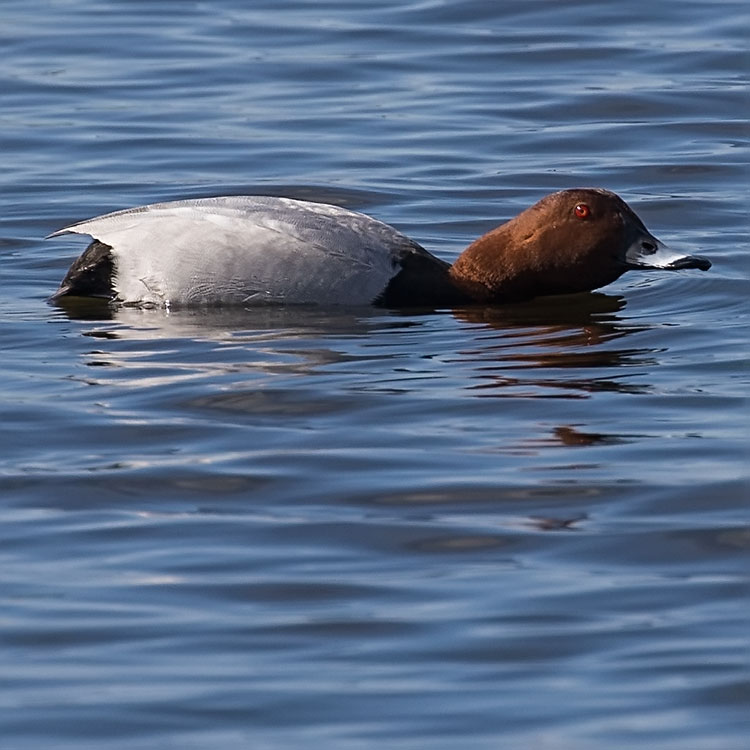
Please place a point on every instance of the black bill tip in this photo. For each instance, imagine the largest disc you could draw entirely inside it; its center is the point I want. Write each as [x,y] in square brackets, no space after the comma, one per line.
[690,261]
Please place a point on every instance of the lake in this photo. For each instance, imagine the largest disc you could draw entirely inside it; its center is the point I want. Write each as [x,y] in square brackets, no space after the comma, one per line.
[511,527]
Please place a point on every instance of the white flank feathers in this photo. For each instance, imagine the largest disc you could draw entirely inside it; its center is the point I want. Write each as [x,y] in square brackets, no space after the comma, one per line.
[247,249]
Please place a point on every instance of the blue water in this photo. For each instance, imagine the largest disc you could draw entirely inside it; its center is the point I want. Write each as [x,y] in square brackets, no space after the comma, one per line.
[512,527]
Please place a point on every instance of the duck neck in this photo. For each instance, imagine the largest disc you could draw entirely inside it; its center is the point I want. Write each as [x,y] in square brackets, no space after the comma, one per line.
[488,272]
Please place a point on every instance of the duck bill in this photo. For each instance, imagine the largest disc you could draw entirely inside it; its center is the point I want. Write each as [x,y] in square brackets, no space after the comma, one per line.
[649,252]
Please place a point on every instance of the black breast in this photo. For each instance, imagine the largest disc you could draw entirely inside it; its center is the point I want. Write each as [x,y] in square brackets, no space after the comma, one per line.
[422,281]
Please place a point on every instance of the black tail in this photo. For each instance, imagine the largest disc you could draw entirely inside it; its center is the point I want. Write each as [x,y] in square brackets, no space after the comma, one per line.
[90,275]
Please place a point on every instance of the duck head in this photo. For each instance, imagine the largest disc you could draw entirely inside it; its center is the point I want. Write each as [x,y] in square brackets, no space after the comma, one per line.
[570,241]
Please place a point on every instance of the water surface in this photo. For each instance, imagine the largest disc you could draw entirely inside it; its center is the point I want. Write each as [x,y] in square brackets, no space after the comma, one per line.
[521,526]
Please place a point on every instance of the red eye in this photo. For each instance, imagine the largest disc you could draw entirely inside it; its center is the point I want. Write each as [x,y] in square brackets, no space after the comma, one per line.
[582,211]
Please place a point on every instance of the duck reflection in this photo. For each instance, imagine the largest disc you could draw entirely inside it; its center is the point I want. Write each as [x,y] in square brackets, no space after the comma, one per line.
[549,347]
[86,308]
[550,523]
[571,437]
[159,346]
[555,347]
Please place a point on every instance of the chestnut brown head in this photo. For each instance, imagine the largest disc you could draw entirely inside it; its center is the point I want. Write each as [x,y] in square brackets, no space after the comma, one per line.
[570,241]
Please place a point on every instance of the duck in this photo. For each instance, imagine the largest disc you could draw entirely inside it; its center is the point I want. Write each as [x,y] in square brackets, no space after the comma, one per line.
[266,250]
